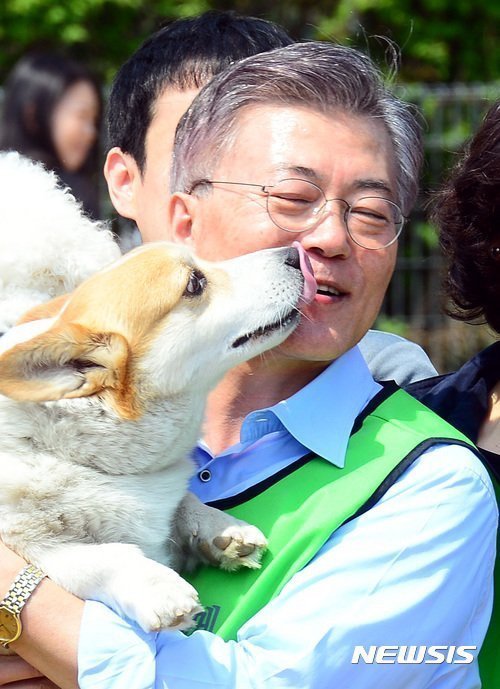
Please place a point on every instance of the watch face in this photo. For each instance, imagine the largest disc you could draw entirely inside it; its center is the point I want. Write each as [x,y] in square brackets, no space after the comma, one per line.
[10,625]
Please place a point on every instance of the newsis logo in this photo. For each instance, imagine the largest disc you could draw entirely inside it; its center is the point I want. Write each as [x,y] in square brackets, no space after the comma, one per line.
[413,655]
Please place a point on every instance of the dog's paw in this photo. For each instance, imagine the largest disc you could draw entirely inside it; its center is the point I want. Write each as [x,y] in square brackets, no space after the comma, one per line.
[216,537]
[238,545]
[157,599]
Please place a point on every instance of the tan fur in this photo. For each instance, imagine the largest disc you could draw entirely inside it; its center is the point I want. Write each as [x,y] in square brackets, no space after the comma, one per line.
[101,403]
[97,328]
[48,310]
[91,363]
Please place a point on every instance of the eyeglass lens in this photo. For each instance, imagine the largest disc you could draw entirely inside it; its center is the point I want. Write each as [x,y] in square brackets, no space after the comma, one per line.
[297,205]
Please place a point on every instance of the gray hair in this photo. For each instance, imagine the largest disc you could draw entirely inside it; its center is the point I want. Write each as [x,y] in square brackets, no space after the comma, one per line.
[319,76]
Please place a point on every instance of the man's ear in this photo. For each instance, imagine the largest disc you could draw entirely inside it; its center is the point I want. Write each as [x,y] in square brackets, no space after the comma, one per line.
[122,175]
[182,210]
[64,362]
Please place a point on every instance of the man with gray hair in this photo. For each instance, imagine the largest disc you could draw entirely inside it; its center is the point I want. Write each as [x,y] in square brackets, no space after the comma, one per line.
[381,520]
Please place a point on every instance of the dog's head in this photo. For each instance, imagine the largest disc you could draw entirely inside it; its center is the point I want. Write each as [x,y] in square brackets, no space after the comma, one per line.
[153,324]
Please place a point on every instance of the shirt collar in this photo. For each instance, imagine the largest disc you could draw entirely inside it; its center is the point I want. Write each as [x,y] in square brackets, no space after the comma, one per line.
[320,415]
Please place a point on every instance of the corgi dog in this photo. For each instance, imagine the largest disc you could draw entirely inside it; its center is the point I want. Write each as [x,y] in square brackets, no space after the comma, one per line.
[101,402]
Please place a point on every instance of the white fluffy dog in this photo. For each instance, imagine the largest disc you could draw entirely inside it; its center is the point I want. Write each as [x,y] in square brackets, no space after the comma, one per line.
[47,245]
[102,401]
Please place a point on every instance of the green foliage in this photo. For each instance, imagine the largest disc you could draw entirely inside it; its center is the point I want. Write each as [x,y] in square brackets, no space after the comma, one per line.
[392,325]
[103,33]
[440,40]
[427,234]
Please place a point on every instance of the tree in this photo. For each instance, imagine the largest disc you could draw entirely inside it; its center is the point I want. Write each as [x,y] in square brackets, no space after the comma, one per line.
[441,40]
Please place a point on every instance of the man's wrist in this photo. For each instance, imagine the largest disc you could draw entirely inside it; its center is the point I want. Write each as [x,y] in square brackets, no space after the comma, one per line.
[49,646]
[11,564]
[13,603]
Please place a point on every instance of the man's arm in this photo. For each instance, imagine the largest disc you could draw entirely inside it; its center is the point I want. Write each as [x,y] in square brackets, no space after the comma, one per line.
[51,622]
[16,673]
[416,569]
[391,357]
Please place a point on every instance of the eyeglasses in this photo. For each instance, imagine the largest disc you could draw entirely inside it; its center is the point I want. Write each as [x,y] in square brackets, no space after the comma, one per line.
[298,205]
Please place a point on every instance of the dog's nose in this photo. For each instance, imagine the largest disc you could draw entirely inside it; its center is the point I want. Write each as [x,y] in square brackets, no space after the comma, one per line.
[293,258]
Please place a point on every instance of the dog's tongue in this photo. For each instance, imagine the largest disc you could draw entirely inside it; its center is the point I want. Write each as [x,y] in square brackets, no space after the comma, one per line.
[310,285]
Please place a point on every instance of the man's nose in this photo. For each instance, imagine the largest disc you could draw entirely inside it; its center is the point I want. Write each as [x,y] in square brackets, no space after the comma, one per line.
[329,236]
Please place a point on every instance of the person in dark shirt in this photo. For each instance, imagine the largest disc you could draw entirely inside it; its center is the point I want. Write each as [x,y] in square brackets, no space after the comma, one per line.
[467,212]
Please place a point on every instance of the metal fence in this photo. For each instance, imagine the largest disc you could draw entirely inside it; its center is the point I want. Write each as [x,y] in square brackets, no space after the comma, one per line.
[414,303]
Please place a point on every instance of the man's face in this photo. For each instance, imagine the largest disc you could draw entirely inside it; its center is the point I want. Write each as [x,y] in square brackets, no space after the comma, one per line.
[348,157]
[144,197]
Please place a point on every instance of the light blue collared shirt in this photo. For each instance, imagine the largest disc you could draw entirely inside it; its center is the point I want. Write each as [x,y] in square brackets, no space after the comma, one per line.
[416,569]
[318,419]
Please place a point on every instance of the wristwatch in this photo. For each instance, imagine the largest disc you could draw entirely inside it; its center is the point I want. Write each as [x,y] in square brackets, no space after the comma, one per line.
[10,607]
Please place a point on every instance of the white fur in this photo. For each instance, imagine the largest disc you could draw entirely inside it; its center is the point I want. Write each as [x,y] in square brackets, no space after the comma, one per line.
[90,496]
[47,245]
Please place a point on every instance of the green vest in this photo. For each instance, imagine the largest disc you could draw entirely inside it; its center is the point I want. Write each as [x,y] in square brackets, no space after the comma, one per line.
[489,656]
[300,508]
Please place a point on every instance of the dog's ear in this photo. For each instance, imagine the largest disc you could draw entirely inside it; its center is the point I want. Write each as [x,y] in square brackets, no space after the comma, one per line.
[66,361]
[49,309]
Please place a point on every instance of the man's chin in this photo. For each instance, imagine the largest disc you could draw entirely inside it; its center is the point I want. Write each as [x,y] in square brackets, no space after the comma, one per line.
[313,346]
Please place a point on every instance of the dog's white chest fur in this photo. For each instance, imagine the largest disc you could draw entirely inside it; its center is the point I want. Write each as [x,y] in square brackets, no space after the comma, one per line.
[73,468]
[100,407]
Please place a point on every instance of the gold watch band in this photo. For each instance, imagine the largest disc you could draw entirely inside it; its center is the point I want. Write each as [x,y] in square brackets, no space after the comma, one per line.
[22,587]
[11,606]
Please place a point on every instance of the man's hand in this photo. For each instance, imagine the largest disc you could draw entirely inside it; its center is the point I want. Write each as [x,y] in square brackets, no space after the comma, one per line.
[15,673]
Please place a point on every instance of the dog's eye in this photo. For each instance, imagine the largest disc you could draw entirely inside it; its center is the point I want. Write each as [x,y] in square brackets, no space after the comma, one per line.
[196,284]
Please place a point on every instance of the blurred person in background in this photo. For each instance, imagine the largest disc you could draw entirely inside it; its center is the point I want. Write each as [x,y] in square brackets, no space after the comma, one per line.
[52,113]
[467,212]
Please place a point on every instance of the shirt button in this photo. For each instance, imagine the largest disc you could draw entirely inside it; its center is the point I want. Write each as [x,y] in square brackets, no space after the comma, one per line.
[205,475]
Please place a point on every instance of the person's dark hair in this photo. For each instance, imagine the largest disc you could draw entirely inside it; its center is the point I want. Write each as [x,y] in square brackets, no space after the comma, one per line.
[32,90]
[183,55]
[467,212]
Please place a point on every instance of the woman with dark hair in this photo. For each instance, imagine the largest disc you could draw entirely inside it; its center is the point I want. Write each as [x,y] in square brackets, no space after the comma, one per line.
[51,113]
[467,212]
